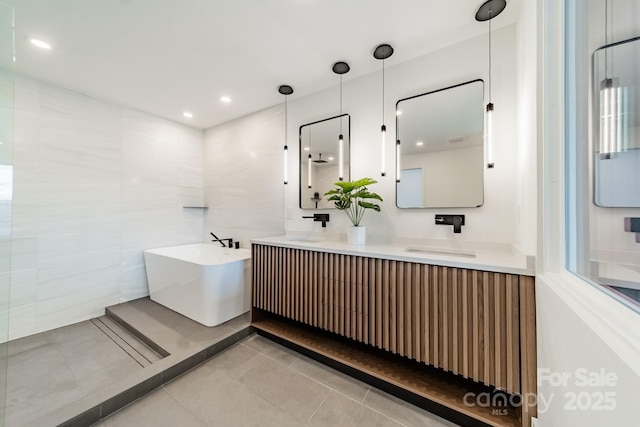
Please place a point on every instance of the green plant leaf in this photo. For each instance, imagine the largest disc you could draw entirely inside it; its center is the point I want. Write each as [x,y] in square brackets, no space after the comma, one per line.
[368,205]
[350,196]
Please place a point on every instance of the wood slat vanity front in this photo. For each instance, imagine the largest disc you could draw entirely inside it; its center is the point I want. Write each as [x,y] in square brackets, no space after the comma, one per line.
[474,324]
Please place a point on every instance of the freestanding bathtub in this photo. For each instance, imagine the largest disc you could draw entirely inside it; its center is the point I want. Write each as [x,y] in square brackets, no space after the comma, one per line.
[204,282]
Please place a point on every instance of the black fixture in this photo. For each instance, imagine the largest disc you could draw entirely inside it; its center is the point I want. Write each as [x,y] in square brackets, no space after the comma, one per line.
[456,220]
[490,9]
[340,68]
[383,52]
[316,198]
[487,11]
[323,218]
[285,90]
[632,225]
[229,242]
[319,160]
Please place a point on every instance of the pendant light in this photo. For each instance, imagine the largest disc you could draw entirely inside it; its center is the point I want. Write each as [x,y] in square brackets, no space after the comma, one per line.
[309,162]
[489,10]
[398,160]
[286,91]
[611,102]
[383,52]
[341,68]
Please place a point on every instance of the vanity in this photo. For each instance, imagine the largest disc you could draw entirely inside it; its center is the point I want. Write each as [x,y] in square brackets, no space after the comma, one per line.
[451,330]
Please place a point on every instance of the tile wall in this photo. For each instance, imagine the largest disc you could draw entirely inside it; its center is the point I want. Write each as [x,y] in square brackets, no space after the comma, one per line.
[243,177]
[94,185]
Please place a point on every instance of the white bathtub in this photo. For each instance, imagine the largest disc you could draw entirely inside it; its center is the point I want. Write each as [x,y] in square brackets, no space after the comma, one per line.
[204,282]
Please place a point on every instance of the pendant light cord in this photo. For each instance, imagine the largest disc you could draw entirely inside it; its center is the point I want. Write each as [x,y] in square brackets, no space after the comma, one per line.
[285,119]
[606,38]
[490,18]
[383,92]
[340,104]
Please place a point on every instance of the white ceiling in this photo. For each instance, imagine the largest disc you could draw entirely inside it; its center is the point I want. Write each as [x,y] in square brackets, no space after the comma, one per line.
[168,56]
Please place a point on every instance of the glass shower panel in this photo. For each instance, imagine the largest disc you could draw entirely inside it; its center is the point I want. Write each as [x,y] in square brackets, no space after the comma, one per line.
[6,188]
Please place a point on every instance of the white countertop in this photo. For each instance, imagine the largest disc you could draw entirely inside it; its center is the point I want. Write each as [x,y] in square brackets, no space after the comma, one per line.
[473,255]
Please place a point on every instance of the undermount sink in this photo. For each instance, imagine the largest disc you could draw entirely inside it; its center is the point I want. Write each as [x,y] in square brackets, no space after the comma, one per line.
[441,251]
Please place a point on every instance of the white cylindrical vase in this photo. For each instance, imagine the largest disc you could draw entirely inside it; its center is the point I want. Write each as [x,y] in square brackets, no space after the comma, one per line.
[357,235]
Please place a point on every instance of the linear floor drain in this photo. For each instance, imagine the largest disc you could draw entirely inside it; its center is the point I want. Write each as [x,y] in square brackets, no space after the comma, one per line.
[130,344]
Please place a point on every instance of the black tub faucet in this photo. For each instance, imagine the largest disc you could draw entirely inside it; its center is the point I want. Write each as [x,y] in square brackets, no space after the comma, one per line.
[456,220]
[324,218]
[221,241]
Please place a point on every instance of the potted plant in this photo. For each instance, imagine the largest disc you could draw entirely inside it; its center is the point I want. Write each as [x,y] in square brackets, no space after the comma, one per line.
[351,197]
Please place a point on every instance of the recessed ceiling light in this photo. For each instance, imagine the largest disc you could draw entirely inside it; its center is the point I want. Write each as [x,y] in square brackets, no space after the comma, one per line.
[330,158]
[398,113]
[419,143]
[225,99]
[306,148]
[187,114]
[39,43]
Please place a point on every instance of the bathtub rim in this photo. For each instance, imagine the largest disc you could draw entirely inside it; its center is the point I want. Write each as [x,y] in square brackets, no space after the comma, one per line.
[241,254]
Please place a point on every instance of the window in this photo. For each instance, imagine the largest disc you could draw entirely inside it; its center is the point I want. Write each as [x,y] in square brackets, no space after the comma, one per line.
[602,134]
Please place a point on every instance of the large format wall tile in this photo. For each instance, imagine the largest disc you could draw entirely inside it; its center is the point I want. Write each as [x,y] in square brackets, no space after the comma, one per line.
[94,185]
[243,177]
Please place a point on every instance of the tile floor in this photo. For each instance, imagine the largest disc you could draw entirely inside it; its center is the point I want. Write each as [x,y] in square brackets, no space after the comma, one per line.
[260,383]
[53,376]
[57,374]
[50,370]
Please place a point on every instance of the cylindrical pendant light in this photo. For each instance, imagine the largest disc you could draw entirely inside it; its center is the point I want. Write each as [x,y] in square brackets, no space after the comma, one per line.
[613,104]
[398,160]
[341,68]
[309,161]
[286,91]
[341,157]
[383,52]
[489,10]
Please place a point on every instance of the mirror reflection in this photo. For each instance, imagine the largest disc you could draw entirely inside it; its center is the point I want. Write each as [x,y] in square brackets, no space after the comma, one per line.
[616,121]
[320,159]
[441,148]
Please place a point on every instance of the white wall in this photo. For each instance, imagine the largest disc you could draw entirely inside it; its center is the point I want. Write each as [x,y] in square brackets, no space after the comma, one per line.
[574,339]
[243,180]
[527,88]
[94,185]
[496,220]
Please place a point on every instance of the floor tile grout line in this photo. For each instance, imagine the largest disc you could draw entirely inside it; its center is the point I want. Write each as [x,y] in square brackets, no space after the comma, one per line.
[288,366]
[316,380]
[384,415]
[332,389]
[365,395]
[125,340]
[266,355]
[194,415]
[162,385]
[249,390]
[114,341]
[319,406]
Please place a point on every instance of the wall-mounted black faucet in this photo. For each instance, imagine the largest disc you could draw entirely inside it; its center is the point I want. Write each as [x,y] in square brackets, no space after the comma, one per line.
[456,220]
[324,218]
